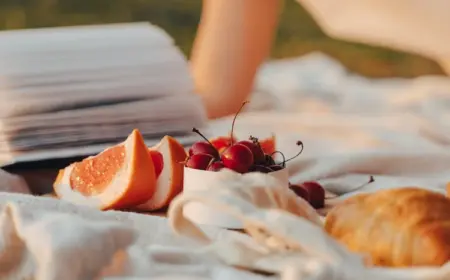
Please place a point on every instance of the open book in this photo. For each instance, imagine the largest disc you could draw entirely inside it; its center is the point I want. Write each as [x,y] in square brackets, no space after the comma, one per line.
[73,91]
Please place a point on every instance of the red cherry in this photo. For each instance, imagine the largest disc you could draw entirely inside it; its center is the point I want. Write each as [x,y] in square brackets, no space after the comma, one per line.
[258,154]
[238,158]
[215,166]
[203,148]
[199,161]
[300,191]
[158,161]
[316,194]
[276,167]
[260,169]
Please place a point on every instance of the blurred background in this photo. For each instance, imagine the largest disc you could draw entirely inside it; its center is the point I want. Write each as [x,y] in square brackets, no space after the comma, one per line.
[297,35]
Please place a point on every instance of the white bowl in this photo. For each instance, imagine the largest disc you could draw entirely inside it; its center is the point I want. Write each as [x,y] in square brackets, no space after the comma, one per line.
[200,180]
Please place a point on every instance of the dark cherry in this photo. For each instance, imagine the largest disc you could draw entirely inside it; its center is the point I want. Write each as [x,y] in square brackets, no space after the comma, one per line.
[269,160]
[276,167]
[215,166]
[238,158]
[300,191]
[259,168]
[199,161]
[255,147]
[316,194]
[258,154]
[203,148]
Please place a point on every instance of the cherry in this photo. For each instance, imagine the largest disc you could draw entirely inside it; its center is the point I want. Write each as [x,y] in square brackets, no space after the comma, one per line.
[276,167]
[158,161]
[284,158]
[199,161]
[238,158]
[215,166]
[260,168]
[316,194]
[269,160]
[204,147]
[258,154]
[300,191]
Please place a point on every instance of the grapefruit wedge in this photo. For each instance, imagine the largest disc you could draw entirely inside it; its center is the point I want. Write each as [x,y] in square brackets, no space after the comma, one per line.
[121,176]
[222,143]
[268,145]
[168,157]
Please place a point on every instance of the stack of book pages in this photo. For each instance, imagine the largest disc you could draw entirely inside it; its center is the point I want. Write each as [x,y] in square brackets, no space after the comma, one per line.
[74,91]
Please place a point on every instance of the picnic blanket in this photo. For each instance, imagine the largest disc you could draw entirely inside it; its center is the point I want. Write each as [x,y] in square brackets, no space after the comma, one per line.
[352,127]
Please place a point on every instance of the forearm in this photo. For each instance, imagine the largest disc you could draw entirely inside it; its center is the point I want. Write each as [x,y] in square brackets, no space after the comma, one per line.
[233,39]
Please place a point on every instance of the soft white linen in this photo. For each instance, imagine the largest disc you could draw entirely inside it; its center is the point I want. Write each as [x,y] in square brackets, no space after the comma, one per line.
[416,26]
[12,183]
[396,130]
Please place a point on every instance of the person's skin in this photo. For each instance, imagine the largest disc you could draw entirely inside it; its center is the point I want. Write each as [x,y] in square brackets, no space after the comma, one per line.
[233,39]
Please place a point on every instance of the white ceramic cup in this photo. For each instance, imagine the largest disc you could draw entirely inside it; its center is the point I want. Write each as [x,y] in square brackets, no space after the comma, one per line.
[200,180]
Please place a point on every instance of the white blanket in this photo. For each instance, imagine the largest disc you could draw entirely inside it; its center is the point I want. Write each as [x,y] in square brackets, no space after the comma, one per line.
[352,127]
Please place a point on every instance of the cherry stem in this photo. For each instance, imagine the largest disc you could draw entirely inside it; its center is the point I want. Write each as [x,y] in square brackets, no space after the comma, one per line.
[371,180]
[201,135]
[234,120]
[284,158]
[255,141]
[299,143]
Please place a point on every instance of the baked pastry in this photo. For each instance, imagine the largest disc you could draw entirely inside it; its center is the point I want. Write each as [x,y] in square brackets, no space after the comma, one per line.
[397,227]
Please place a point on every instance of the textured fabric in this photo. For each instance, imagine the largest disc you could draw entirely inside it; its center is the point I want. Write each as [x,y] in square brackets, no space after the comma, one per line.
[352,127]
[416,26]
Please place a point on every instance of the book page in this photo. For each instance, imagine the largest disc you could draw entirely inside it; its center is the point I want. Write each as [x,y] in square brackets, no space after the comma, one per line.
[73,91]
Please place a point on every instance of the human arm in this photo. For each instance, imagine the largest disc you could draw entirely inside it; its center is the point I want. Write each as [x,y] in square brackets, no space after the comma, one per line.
[233,39]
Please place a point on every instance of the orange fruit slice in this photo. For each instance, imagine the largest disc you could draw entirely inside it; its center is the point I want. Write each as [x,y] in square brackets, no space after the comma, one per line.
[120,177]
[268,145]
[221,143]
[168,157]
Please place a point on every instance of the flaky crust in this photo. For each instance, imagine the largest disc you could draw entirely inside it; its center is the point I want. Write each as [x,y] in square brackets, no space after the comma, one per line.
[397,227]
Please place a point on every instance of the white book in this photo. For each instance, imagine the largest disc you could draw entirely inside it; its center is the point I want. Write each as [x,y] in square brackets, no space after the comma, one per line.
[73,91]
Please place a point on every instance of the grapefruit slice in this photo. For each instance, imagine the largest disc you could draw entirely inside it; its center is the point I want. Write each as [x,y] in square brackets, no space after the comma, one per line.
[120,177]
[168,156]
[222,143]
[268,145]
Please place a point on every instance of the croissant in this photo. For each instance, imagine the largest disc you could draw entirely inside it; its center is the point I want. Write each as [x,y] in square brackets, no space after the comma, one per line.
[395,228]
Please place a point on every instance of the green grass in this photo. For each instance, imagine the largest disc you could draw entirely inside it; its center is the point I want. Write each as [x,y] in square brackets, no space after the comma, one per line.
[297,35]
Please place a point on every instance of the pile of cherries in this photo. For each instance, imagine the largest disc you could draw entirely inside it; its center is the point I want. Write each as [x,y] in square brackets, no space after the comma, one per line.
[242,157]
[248,156]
